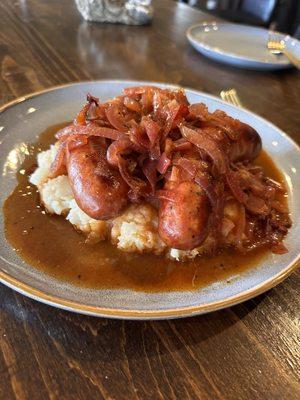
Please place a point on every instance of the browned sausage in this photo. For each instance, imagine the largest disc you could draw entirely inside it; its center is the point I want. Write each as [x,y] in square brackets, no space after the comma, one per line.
[183,221]
[100,194]
[244,142]
[247,146]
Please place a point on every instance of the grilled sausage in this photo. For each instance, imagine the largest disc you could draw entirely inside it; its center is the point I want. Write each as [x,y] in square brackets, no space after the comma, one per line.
[98,190]
[183,220]
[247,146]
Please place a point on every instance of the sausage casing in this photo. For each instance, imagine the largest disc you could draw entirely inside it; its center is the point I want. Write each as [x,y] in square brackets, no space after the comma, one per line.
[183,221]
[99,196]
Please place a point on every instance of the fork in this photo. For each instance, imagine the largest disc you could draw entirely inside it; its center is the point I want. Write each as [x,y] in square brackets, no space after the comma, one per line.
[278,46]
[231,96]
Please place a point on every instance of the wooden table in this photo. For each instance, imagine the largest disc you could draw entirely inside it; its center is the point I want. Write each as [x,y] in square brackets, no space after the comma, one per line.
[250,351]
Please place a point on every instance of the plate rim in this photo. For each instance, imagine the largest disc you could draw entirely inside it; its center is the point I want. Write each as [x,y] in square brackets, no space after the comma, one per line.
[187,311]
[285,63]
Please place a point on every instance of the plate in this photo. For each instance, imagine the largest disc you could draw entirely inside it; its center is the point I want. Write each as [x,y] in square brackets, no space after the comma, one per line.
[20,123]
[240,45]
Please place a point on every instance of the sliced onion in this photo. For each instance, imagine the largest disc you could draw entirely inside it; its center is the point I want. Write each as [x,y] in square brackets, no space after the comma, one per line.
[89,130]
[136,184]
[240,224]
[278,206]
[154,151]
[58,166]
[275,184]
[163,164]
[135,90]
[80,118]
[233,183]
[227,226]
[209,146]
[132,104]
[196,171]
[75,141]
[152,129]
[203,181]
[146,101]
[155,139]
[119,147]
[166,194]
[115,117]
[149,170]
[171,112]
[175,173]
[92,99]
[279,248]
[188,165]
[138,136]
[182,145]
[256,205]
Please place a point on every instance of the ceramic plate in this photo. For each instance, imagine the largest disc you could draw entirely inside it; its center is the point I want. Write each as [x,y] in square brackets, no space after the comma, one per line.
[20,123]
[240,45]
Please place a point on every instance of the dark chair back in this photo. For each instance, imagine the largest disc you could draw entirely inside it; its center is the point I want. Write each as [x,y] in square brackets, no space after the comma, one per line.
[262,9]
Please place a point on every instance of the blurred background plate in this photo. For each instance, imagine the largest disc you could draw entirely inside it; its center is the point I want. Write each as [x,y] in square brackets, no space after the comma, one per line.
[240,45]
[24,119]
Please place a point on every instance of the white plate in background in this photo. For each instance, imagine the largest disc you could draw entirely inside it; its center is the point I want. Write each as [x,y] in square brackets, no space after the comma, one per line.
[240,45]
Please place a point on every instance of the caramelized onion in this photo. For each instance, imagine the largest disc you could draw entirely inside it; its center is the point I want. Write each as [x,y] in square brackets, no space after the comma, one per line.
[152,129]
[279,248]
[133,91]
[58,166]
[136,184]
[155,139]
[115,117]
[208,146]
[132,104]
[119,148]
[163,164]
[89,130]
[149,169]
[233,183]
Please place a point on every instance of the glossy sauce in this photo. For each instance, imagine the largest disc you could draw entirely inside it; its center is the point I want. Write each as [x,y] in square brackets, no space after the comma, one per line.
[51,244]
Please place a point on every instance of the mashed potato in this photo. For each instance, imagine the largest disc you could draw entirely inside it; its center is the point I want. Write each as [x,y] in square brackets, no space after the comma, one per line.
[136,230]
[44,160]
[94,228]
[56,195]
[205,248]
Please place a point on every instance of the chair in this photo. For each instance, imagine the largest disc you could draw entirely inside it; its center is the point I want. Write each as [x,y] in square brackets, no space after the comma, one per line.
[260,9]
[253,12]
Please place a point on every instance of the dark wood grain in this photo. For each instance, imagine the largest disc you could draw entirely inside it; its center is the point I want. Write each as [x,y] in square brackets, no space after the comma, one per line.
[250,351]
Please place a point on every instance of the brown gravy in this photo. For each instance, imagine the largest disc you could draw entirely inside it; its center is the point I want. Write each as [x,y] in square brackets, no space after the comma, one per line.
[51,244]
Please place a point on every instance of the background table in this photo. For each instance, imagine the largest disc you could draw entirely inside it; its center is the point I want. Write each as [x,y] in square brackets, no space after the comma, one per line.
[250,351]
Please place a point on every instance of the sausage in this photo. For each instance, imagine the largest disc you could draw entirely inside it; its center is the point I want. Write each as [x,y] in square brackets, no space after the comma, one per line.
[183,220]
[247,146]
[244,146]
[101,195]
[245,143]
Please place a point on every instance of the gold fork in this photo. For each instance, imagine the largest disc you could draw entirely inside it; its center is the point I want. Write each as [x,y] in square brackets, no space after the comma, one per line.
[231,96]
[277,45]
